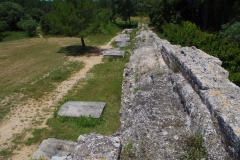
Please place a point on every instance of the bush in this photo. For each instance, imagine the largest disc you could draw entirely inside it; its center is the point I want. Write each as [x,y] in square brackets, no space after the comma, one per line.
[190,35]
[231,32]
[29,26]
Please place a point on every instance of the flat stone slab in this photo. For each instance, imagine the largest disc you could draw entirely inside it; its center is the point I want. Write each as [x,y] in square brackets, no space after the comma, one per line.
[54,147]
[123,37]
[113,53]
[80,108]
[96,147]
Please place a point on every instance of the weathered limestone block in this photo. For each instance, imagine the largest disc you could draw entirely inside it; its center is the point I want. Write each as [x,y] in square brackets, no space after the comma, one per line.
[201,117]
[114,53]
[127,31]
[210,81]
[81,108]
[96,147]
[150,117]
[154,100]
[53,147]
[123,39]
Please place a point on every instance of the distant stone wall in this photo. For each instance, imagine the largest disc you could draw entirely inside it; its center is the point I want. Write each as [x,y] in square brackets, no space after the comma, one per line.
[210,82]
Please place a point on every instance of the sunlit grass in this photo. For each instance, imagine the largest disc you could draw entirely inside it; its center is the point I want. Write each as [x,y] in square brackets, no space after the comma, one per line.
[104,86]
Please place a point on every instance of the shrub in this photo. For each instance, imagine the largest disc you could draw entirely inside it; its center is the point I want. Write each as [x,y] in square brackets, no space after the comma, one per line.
[29,26]
[190,35]
[231,32]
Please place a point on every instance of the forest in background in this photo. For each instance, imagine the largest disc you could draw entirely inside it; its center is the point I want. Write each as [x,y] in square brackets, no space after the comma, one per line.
[213,26]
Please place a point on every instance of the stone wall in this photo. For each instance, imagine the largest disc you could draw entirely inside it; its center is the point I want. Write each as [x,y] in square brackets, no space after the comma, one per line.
[210,82]
[160,108]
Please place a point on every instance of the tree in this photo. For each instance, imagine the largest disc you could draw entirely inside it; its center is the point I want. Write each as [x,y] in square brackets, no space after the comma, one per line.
[124,8]
[231,32]
[29,26]
[3,26]
[163,11]
[10,13]
[75,18]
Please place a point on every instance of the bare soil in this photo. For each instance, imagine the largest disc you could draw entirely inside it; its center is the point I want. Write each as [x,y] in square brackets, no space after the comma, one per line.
[32,114]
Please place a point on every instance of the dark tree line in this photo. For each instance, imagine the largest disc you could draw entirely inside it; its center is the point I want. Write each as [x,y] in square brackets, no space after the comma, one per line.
[83,17]
[208,14]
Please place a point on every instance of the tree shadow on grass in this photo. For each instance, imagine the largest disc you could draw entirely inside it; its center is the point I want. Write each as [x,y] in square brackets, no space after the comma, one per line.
[77,50]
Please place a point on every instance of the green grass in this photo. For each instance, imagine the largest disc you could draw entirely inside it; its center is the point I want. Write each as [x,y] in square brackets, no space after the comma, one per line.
[128,152]
[85,122]
[32,67]
[48,83]
[102,38]
[13,35]
[104,86]
[5,153]
[195,148]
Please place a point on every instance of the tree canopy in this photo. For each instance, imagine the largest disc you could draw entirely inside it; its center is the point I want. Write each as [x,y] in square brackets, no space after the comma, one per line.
[75,18]
[83,17]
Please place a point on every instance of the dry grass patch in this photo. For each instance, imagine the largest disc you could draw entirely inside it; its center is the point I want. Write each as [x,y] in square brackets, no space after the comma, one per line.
[27,62]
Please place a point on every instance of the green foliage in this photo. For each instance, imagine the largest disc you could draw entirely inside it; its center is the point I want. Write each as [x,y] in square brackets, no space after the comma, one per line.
[82,121]
[110,59]
[13,35]
[163,11]
[128,152]
[190,35]
[35,13]
[75,19]
[29,26]
[195,147]
[231,32]
[10,15]
[3,25]
[205,13]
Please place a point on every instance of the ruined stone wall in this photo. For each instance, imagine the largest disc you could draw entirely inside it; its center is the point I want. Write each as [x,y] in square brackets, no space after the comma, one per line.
[163,101]
[210,82]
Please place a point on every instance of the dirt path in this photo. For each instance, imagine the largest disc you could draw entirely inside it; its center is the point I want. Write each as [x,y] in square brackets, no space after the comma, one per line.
[21,119]
[108,45]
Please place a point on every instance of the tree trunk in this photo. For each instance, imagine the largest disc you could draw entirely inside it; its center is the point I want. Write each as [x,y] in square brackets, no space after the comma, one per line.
[83,43]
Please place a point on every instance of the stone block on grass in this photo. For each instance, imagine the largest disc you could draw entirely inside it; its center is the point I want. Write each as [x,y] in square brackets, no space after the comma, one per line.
[80,108]
[113,53]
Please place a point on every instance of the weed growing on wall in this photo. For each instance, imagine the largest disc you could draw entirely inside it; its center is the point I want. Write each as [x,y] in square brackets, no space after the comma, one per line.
[195,148]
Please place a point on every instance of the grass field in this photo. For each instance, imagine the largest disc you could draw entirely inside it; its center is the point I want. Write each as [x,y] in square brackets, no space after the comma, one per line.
[28,67]
[105,85]
[32,67]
